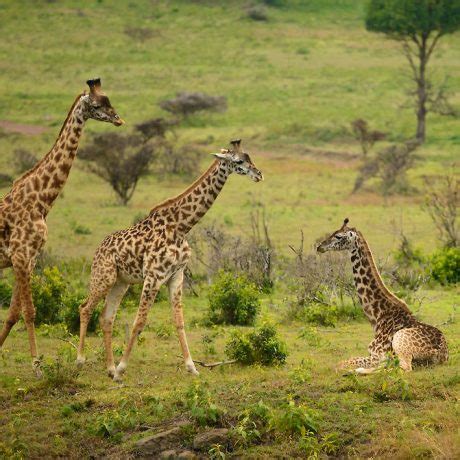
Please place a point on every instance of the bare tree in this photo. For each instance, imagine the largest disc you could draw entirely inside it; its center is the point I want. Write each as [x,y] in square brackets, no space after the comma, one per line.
[120,160]
[365,136]
[442,202]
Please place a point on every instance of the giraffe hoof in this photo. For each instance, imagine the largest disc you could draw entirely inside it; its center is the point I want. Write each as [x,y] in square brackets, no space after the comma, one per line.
[80,362]
[192,369]
[111,372]
[117,377]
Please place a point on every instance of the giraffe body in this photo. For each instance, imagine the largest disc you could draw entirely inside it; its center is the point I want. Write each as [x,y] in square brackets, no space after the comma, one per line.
[154,252]
[397,331]
[23,211]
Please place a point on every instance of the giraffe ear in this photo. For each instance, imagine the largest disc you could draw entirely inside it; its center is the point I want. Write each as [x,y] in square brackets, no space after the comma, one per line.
[94,85]
[223,155]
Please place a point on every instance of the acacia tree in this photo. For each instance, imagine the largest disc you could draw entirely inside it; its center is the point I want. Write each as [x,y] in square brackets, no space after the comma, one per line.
[418,25]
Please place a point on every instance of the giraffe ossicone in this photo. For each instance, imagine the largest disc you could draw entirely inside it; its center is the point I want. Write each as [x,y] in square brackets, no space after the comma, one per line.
[396,329]
[154,252]
[23,211]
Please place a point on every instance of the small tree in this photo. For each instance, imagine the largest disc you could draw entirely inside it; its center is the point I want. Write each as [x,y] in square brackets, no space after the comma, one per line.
[442,202]
[186,104]
[120,160]
[418,25]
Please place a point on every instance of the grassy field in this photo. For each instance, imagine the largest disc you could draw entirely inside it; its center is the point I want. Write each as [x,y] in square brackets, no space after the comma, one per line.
[293,83]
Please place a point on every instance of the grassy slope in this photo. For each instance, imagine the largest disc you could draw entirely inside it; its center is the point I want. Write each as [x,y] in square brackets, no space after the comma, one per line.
[294,81]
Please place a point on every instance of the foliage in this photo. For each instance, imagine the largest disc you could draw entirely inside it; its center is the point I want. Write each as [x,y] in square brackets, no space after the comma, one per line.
[188,103]
[261,346]
[445,265]
[418,24]
[70,314]
[48,292]
[295,419]
[442,202]
[233,300]
[257,13]
[6,291]
[60,372]
[202,409]
[120,160]
[253,423]
[389,384]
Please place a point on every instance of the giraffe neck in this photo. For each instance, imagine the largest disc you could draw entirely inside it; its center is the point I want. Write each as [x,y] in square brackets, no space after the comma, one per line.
[374,296]
[185,210]
[43,183]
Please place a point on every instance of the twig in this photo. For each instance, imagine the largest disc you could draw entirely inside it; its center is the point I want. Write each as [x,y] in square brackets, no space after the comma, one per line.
[211,365]
[68,341]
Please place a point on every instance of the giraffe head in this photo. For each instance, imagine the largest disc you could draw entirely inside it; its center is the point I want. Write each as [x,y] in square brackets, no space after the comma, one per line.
[239,161]
[341,240]
[97,105]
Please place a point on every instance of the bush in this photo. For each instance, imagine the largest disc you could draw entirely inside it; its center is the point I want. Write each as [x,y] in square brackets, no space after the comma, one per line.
[445,266]
[202,409]
[261,346]
[6,292]
[233,300]
[257,13]
[23,160]
[70,314]
[48,291]
[187,103]
[296,419]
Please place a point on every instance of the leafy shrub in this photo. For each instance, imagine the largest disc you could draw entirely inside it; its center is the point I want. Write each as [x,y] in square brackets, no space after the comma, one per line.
[187,103]
[257,13]
[70,314]
[60,372]
[389,384]
[298,420]
[260,346]
[253,422]
[445,266]
[6,292]
[202,409]
[233,300]
[48,291]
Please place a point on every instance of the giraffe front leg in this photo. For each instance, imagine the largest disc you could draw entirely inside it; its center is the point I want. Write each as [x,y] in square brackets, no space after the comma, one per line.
[22,275]
[149,292]
[175,296]
[361,365]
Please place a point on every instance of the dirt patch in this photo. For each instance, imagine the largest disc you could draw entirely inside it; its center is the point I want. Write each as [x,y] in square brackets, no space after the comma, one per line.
[28,130]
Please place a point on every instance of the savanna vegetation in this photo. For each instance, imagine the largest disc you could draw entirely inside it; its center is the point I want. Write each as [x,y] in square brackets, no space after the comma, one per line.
[326,109]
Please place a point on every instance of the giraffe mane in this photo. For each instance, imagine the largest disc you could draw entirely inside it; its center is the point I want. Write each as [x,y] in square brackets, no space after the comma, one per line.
[377,275]
[28,173]
[170,201]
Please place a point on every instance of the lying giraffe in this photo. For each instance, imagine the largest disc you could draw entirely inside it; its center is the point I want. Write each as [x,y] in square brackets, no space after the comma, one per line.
[23,211]
[153,252]
[396,328]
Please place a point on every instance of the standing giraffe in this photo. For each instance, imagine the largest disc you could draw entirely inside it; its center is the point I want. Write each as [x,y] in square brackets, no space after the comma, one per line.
[396,328]
[153,252]
[23,211]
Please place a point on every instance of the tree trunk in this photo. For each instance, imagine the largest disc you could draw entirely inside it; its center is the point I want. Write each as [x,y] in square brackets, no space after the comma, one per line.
[422,90]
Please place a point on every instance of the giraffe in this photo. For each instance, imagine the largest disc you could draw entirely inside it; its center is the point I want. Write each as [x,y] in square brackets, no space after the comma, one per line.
[396,329]
[153,252]
[23,211]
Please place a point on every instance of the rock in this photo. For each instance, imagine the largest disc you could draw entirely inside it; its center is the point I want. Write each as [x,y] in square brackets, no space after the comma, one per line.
[174,454]
[187,454]
[168,454]
[203,441]
[159,442]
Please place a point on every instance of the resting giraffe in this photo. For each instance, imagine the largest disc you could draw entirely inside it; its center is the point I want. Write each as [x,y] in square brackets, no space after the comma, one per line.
[23,211]
[396,328]
[153,252]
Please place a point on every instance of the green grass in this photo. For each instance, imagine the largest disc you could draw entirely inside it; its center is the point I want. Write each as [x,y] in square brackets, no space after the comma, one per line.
[293,84]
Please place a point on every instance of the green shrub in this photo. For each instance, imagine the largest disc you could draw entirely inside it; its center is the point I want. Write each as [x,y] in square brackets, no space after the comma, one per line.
[322,315]
[445,266]
[70,314]
[233,300]
[294,419]
[253,423]
[261,346]
[48,291]
[6,292]
[202,409]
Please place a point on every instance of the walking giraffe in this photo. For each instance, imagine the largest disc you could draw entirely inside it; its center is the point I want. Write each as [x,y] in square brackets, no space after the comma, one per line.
[396,328]
[153,252]
[23,211]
